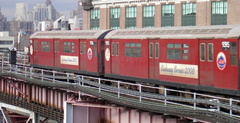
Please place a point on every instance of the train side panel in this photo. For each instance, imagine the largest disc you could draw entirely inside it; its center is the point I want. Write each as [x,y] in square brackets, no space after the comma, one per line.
[178,61]
[226,64]
[68,56]
[42,52]
[91,65]
[128,58]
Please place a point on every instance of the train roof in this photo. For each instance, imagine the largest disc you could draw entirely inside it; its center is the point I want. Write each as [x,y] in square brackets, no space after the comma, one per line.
[188,32]
[76,34]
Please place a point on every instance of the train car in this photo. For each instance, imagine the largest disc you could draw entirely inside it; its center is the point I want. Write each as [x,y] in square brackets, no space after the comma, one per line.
[71,51]
[203,58]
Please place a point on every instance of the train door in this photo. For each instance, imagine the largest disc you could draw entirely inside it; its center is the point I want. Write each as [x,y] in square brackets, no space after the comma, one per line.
[101,57]
[83,54]
[206,68]
[115,57]
[57,53]
[35,51]
[153,59]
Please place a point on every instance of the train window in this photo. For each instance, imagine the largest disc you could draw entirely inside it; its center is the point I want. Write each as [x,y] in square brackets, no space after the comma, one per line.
[81,47]
[68,47]
[133,49]
[35,46]
[185,57]
[169,45]
[117,48]
[151,50]
[45,46]
[185,46]
[173,54]
[185,51]
[84,48]
[233,53]
[202,52]
[173,51]
[95,48]
[210,52]
[157,50]
[113,48]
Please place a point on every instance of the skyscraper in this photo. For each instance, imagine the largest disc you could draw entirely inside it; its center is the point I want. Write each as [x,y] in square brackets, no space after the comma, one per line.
[21,12]
[42,12]
[2,18]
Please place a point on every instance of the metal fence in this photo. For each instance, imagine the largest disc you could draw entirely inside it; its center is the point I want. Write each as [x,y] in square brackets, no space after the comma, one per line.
[195,101]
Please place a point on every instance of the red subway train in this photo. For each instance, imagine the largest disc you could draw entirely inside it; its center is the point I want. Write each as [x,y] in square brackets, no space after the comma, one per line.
[200,58]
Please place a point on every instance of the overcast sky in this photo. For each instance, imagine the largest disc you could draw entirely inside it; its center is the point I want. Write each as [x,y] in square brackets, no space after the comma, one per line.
[62,6]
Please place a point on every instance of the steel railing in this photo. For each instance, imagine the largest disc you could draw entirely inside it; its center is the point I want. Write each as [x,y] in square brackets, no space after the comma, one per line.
[192,100]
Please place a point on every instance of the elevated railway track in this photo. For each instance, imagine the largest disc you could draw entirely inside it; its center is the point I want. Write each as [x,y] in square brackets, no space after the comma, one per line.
[163,101]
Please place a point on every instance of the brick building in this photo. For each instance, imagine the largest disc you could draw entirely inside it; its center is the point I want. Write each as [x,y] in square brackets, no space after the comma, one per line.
[115,14]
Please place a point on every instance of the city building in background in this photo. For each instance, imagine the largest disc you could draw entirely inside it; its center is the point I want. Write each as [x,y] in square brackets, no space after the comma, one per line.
[43,12]
[3,22]
[6,41]
[76,17]
[21,12]
[115,14]
[2,17]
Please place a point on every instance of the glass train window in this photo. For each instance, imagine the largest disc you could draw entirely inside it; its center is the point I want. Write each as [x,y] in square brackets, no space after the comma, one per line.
[84,48]
[95,48]
[178,51]
[113,48]
[233,53]
[173,51]
[117,49]
[35,46]
[133,49]
[202,52]
[45,46]
[81,47]
[68,47]
[210,52]
[157,50]
[151,50]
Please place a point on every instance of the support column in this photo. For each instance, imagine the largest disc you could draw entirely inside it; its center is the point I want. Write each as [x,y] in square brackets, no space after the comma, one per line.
[35,118]
[68,113]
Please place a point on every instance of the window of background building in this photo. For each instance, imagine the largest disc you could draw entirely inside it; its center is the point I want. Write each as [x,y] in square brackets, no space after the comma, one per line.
[114,18]
[168,15]
[188,14]
[131,14]
[94,22]
[219,13]
[6,42]
[148,16]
